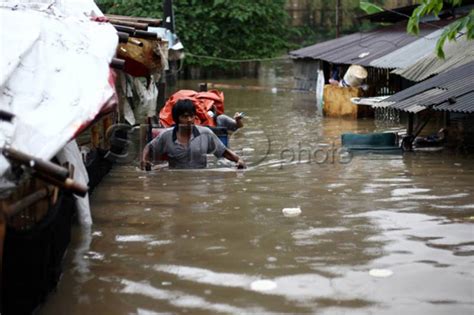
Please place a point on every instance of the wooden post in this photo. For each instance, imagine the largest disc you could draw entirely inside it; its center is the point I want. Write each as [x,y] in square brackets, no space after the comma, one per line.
[168,14]
[410,124]
[447,119]
[106,124]
[95,136]
[160,101]
[338,17]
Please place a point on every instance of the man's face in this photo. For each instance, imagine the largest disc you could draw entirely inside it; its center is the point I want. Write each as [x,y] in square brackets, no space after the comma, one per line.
[186,119]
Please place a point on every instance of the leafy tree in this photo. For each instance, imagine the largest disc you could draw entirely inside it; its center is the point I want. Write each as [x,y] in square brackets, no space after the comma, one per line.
[219,29]
[465,24]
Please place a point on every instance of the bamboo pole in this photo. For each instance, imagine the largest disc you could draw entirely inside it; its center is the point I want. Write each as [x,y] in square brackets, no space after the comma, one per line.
[15,208]
[144,34]
[37,164]
[150,21]
[123,37]
[69,184]
[137,25]
[117,63]
[126,29]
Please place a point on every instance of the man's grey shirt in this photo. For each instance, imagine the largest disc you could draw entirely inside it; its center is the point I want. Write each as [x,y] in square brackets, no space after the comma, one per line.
[203,141]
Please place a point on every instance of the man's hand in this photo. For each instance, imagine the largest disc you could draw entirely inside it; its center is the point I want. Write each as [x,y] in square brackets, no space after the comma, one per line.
[238,119]
[240,164]
[145,165]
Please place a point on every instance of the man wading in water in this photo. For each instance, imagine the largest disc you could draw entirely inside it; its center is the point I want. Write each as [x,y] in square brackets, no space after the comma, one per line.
[185,144]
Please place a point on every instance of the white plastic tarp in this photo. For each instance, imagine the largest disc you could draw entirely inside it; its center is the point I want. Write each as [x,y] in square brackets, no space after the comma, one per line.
[54,72]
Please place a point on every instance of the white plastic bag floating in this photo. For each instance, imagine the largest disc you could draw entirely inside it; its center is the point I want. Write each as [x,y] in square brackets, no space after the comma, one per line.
[291,212]
[263,285]
[380,273]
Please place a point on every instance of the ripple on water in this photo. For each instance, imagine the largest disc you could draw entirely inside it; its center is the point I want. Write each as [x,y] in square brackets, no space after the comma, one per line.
[134,238]
[408,191]
[294,287]
[181,299]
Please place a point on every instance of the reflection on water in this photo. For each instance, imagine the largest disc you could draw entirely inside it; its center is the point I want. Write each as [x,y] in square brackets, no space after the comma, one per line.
[380,234]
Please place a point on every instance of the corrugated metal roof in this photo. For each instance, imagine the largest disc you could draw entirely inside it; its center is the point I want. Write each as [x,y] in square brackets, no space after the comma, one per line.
[363,48]
[457,53]
[450,91]
[462,104]
[409,54]
[418,102]
[376,102]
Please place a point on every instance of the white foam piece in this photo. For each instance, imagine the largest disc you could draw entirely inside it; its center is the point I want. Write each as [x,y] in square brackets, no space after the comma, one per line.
[380,273]
[291,212]
[263,285]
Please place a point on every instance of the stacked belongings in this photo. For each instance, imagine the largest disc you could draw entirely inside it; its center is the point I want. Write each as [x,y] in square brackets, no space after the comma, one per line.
[208,104]
[145,56]
[55,82]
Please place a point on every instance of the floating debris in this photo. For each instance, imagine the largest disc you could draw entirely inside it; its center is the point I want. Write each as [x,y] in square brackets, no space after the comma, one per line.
[263,285]
[380,273]
[291,212]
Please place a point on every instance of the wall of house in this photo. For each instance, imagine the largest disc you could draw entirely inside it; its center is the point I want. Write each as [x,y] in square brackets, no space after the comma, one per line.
[305,74]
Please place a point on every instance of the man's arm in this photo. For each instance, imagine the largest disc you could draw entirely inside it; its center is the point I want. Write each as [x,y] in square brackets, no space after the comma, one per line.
[155,146]
[232,156]
[145,158]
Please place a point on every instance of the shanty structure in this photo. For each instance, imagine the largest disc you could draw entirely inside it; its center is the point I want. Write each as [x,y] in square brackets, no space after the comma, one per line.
[365,49]
[380,51]
[449,95]
[384,52]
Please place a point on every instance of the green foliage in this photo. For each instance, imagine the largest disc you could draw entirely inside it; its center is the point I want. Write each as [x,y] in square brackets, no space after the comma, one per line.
[370,8]
[231,29]
[144,8]
[451,32]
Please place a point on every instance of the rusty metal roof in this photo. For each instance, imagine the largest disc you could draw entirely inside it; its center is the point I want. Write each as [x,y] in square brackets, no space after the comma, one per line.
[362,48]
[451,91]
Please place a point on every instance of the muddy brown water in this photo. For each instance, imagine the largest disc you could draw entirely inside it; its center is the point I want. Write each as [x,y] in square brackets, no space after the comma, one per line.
[377,234]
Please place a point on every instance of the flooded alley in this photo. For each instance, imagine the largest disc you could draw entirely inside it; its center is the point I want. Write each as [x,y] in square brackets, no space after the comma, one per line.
[377,234]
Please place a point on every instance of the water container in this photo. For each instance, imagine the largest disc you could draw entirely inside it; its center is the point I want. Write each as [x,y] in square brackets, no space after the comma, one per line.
[355,75]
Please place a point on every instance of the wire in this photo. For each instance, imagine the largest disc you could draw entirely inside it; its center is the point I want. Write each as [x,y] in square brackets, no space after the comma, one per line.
[237,60]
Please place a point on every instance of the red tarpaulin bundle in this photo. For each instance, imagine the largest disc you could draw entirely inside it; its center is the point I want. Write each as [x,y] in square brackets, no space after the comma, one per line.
[204,101]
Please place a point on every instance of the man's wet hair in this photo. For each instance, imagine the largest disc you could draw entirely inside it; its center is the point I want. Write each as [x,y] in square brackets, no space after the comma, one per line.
[183,107]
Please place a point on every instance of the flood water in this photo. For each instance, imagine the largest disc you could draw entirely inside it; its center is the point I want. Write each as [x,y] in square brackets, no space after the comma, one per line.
[377,234]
